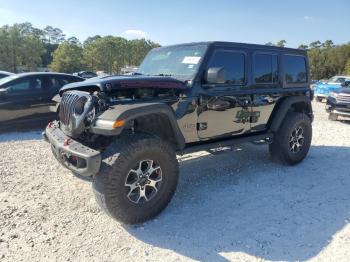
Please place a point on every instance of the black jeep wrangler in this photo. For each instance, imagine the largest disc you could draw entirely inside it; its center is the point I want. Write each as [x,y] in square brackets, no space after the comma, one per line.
[125,131]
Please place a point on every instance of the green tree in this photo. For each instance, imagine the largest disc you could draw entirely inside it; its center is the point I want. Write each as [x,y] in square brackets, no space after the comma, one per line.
[73,40]
[281,43]
[105,54]
[31,52]
[20,47]
[137,50]
[347,67]
[303,46]
[53,35]
[315,44]
[67,58]
[328,44]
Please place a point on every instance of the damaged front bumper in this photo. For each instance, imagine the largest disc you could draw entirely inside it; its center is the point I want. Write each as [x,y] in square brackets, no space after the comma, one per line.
[70,153]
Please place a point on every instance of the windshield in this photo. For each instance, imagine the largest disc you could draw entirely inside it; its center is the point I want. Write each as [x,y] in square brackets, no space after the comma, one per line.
[7,79]
[180,62]
[336,79]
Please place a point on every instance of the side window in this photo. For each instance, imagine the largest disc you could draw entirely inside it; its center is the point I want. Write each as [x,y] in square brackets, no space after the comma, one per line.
[69,79]
[25,85]
[295,69]
[52,84]
[65,80]
[265,68]
[233,64]
[19,86]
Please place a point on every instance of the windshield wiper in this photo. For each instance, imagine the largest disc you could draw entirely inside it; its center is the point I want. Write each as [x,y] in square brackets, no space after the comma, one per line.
[163,75]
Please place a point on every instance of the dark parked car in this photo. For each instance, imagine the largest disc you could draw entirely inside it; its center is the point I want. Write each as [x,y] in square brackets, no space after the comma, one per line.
[125,131]
[4,74]
[25,98]
[338,103]
[85,74]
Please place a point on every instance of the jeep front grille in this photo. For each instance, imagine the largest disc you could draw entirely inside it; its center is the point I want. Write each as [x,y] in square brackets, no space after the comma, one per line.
[67,106]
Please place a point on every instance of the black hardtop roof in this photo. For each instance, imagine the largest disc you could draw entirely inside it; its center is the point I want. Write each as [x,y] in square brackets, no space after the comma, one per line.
[241,45]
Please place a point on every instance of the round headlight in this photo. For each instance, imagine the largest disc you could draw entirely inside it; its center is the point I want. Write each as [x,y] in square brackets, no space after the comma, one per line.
[79,105]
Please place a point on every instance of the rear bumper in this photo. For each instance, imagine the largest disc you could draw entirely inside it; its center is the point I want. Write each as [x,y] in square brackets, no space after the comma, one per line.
[70,153]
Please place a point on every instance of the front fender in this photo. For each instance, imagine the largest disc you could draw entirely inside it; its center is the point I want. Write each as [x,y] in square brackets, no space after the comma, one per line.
[103,124]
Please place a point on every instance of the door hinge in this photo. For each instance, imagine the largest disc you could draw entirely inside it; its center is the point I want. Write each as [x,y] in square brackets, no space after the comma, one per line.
[202,126]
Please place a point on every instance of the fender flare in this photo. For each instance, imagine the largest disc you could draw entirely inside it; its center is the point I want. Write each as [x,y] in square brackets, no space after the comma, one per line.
[283,108]
[129,112]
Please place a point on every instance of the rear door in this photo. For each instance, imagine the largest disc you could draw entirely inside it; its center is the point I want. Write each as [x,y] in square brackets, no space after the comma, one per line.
[266,81]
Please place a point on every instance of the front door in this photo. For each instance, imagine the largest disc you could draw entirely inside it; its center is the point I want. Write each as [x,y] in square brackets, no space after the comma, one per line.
[23,101]
[224,110]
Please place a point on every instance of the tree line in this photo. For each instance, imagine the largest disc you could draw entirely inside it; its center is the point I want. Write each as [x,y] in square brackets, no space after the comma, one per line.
[26,48]
[326,59]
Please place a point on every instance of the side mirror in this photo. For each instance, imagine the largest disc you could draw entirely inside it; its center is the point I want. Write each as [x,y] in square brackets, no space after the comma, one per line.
[219,105]
[215,75]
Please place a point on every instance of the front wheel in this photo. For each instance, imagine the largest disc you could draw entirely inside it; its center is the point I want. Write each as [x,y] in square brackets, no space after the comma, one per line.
[293,139]
[137,179]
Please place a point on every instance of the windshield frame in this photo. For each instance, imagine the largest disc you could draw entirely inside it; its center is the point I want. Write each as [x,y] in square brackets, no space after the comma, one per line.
[183,78]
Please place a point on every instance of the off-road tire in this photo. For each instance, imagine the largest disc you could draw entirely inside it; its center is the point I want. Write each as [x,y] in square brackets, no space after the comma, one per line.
[280,148]
[332,117]
[118,159]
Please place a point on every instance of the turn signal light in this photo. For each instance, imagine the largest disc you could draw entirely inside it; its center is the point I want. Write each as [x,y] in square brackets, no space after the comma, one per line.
[118,123]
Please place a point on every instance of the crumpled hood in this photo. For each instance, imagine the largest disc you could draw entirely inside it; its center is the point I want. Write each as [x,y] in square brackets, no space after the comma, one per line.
[110,83]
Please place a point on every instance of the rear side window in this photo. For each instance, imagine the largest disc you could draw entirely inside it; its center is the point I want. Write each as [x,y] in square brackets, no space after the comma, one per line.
[70,79]
[53,84]
[295,69]
[233,64]
[265,68]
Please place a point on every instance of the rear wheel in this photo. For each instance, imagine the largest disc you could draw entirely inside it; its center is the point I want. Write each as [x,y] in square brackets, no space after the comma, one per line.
[137,179]
[293,139]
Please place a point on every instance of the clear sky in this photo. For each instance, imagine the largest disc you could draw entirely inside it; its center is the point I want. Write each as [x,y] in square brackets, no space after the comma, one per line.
[178,21]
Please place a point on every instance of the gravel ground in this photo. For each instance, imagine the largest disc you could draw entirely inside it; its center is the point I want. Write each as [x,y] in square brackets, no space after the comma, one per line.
[235,205]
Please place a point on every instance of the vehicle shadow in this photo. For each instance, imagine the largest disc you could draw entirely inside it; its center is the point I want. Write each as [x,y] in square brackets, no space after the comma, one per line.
[21,135]
[241,202]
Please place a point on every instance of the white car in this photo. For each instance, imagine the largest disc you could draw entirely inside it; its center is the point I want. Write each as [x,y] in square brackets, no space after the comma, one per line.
[337,80]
